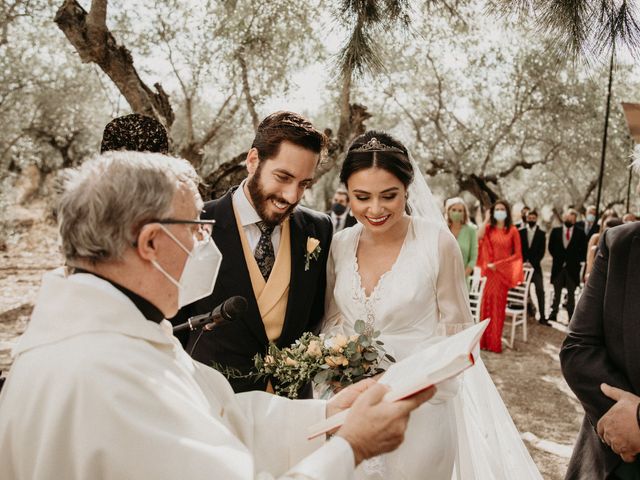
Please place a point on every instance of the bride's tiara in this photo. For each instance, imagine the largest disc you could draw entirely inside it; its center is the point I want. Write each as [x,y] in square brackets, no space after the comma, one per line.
[374,145]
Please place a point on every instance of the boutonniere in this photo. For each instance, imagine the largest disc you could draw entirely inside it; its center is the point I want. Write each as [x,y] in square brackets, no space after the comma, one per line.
[313,251]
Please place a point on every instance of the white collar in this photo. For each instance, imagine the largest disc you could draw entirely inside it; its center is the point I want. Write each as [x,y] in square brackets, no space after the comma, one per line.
[244,209]
[66,307]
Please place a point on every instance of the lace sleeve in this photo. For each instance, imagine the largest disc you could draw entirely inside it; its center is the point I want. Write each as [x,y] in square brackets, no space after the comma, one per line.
[451,288]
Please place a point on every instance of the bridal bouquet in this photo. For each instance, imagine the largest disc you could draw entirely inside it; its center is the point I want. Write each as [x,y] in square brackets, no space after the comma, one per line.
[329,362]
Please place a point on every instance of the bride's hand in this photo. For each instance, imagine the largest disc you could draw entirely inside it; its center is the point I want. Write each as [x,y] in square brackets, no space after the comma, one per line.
[345,398]
[336,387]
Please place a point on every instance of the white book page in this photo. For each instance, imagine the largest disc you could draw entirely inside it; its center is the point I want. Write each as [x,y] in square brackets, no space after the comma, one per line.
[429,366]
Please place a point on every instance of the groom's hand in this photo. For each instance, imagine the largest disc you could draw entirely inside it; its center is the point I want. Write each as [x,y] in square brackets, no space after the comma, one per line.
[619,427]
[374,426]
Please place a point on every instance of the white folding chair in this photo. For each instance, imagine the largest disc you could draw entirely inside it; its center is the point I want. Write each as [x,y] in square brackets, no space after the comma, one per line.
[476,289]
[516,311]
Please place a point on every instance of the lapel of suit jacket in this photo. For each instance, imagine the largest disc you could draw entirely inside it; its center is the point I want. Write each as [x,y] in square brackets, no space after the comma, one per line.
[630,314]
[297,286]
[524,241]
[234,269]
[538,239]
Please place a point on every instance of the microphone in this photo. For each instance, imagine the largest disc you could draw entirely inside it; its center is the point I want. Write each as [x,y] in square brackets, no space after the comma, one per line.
[226,311]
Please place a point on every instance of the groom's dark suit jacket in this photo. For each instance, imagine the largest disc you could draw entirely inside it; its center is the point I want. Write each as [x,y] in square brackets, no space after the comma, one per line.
[235,343]
[603,345]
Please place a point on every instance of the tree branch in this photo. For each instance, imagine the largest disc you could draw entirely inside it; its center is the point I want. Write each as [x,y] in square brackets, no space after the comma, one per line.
[97,17]
[528,165]
[219,121]
[114,60]
[246,89]
[589,190]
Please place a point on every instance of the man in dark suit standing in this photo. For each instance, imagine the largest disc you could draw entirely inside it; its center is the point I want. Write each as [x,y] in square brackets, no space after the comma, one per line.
[601,361]
[568,247]
[274,251]
[522,223]
[533,241]
[589,225]
[340,212]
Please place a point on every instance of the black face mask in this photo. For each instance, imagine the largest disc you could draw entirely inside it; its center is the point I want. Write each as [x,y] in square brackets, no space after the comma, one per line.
[338,208]
[568,224]
[531,224]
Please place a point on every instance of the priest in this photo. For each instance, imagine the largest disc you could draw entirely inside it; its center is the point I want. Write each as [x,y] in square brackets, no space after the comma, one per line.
[101,389]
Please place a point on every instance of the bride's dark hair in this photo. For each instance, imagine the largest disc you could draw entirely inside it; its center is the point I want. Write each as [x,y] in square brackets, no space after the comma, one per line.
[395,162]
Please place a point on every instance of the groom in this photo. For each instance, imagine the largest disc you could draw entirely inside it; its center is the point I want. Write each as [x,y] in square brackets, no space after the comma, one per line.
[268,244]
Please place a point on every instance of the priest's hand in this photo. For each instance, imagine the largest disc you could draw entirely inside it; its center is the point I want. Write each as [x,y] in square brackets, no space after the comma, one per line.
[619,427]
[373,426]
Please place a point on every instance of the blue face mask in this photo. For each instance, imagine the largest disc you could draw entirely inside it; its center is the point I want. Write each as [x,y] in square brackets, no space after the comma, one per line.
[500,215]
[591,218]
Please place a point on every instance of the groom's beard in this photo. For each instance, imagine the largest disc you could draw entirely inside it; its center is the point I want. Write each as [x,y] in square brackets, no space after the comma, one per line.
[261,201]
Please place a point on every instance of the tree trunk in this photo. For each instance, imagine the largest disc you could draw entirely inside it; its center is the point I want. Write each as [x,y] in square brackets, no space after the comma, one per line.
[227,175]
[246,89]
[95,43]
[345,113]
[479,188]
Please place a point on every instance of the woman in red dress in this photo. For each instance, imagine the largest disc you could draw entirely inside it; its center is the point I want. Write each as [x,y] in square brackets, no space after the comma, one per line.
[500,259]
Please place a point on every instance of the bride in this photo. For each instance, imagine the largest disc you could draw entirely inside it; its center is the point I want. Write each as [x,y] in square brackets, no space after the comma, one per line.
[400,270]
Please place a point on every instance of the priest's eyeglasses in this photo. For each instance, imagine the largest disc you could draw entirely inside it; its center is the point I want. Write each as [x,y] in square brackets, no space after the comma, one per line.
[204,228]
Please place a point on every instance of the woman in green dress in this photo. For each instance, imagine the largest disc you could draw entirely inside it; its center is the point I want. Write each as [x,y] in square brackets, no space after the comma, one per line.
[457,217]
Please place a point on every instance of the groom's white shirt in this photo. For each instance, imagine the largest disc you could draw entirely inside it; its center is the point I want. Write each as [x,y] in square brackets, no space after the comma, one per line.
[98,391]
[248,219]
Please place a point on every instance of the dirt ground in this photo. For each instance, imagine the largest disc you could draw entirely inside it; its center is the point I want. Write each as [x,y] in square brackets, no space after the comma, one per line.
[528,377]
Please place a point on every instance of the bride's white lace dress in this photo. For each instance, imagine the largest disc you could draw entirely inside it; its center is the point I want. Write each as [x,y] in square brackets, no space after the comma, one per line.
[465,431]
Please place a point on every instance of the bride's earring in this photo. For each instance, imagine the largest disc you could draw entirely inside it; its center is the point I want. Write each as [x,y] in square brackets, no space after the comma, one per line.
[407,208]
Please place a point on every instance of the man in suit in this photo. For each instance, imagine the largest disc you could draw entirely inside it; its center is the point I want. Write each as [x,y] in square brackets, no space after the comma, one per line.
[274,251]
[568,247]
[340,212]
[533,241]
[589,225]
[522,223]
[601,364]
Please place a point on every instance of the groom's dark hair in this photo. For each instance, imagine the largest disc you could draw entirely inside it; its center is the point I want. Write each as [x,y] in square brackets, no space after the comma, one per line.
[290,127]
[377,149]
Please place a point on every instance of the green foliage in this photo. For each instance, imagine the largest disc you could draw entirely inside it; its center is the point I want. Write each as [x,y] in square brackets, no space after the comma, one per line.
[469,95]
[327,361]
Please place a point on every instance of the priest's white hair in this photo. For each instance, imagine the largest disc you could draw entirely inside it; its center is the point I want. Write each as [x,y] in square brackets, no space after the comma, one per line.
[108,199]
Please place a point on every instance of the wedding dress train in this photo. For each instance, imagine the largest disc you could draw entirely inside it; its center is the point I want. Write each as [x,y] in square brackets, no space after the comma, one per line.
[465,431]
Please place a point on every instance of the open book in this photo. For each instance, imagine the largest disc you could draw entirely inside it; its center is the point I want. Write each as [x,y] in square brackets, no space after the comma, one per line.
[425,368]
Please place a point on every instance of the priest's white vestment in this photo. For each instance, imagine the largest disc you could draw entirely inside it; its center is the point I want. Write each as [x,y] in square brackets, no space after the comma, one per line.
[96,392]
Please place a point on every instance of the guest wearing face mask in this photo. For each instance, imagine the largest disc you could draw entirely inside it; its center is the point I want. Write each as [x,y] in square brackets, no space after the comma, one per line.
[500,259]
[340,212]
[568,247]
[589,225]
[457,217]
[533,240]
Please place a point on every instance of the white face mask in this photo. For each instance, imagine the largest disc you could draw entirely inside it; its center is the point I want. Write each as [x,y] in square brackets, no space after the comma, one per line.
[199,273]
[500,215]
